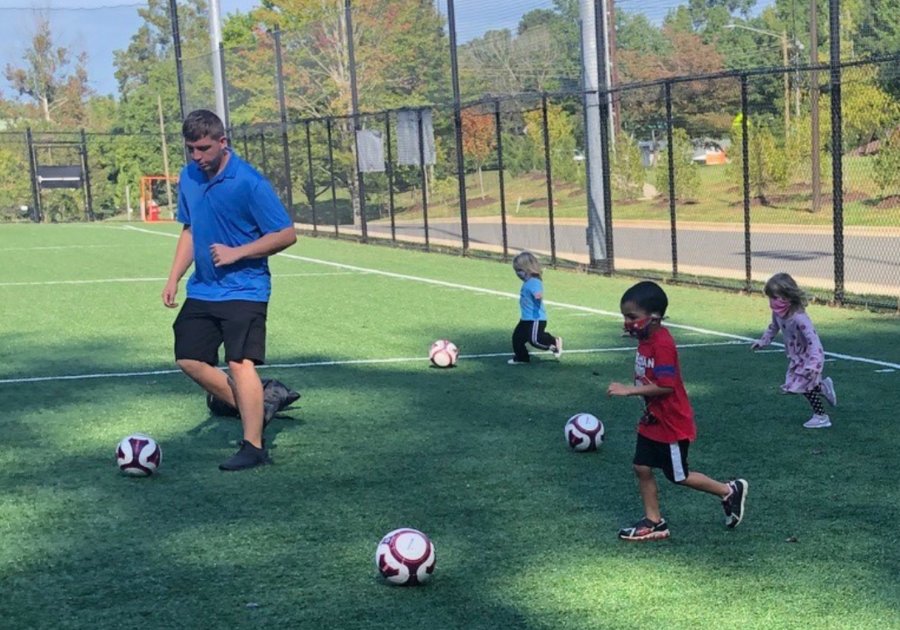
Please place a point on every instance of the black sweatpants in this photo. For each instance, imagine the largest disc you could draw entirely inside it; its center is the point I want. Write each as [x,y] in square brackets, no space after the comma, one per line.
[533,332]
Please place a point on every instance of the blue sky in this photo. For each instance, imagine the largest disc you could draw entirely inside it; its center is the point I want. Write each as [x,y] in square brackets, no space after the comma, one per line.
[101,26]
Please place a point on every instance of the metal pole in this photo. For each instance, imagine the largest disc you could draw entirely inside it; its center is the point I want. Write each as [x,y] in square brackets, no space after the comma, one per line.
[88,197]
[354,102]
[244,142]
[165,152]
[312,179]
[814,107]
[745,173]
[549,169]
[283,111]
[424,180]
[497,127]
[32,168]
[262,150]
[334,211]
[390,174]
[591,54]
[837,150]
[787,83]
[179,70]
[457,124]
[671,155]
[225,114]
[215,41]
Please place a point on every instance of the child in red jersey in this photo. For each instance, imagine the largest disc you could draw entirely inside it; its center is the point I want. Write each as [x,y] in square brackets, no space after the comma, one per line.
[667,427]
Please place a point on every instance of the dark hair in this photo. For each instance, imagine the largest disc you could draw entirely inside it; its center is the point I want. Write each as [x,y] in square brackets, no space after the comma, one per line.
[200,123]
[648,296]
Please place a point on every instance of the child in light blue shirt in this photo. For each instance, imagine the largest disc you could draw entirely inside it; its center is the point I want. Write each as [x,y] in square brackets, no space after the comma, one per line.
[533,323]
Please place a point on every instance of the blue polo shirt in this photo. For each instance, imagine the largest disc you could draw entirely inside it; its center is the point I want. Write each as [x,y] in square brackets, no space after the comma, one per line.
[532,309]
[236,207]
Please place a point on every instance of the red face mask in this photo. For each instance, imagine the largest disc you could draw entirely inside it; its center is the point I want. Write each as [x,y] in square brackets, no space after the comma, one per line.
[640,328]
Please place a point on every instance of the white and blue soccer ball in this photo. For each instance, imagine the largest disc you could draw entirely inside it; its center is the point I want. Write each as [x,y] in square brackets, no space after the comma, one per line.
[405,557]
[584,432]
[443,353]
[138,455]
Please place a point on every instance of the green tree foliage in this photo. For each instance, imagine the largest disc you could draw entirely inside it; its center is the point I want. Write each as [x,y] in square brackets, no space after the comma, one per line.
[768,162]
[627,169]
[887,164]
[561,134]
[687,179]
[53,76]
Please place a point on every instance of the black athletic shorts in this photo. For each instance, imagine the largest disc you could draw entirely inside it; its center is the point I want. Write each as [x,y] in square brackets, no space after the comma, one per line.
[202,327]
[672,459]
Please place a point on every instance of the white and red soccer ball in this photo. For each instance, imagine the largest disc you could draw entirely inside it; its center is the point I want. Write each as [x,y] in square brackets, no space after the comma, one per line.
[584,432]
[443,353]
[405,557]
[138,455]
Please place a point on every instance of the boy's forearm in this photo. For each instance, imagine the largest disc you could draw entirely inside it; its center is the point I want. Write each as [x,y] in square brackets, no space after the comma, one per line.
[650,390]
[184,256]
[269,244]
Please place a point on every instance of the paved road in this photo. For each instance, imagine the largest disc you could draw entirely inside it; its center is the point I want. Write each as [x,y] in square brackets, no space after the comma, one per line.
[870,262]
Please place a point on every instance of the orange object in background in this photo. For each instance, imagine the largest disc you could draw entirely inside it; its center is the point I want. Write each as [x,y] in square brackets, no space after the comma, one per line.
[153,187]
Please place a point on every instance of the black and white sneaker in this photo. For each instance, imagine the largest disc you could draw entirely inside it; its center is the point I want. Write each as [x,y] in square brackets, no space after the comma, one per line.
[248,456]
[733,504]
[645,529]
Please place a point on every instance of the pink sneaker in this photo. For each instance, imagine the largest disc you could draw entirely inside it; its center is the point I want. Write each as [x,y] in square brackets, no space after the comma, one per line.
[828,391]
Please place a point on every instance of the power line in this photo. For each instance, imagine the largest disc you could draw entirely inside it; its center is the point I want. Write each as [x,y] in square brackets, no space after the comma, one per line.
[97,8]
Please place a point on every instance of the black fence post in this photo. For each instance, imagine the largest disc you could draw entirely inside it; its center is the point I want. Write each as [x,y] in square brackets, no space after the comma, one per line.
[390,174]
[262,150]
[837,150]
[283,112]
[745,174]
[671,155]
[312,180]
[549,170]
[424,180]
[457,124]
[498,129]
[354,98]
[334,211]
[32,168]
[179,69]
[88,196]
[244,141]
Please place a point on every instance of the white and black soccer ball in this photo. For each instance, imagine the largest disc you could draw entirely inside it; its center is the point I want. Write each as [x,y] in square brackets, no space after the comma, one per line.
[138,455]
[443,353]
[405,557]
[584,432]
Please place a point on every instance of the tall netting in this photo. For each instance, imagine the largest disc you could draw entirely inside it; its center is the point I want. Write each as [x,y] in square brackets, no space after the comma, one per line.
[16,194]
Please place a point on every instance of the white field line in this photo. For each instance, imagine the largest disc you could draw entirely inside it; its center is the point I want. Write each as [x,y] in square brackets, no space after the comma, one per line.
[108,280]
[49,247]
[515,296]
[311,364]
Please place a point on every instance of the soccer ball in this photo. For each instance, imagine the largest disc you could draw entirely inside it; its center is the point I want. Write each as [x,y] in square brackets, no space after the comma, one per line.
[138,455]
[584,432]
[405,557]
[443,353]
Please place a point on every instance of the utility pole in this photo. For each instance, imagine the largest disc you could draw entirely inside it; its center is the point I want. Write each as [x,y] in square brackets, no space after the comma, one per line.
[787,83]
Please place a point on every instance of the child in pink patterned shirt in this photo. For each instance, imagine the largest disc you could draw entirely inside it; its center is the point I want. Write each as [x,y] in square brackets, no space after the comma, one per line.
[806,357]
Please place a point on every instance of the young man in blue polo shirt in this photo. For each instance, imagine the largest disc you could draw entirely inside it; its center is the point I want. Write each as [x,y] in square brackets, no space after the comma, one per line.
[233,222]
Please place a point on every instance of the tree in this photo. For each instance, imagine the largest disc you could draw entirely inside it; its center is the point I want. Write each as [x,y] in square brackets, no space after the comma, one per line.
[52,75]
[627,168]
[687,180]
[887,163]
[479,139]
[561,136]
[768,162]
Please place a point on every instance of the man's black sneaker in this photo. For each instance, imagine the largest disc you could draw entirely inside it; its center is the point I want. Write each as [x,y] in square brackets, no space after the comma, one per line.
[733,504]
[248,456]
[645,529]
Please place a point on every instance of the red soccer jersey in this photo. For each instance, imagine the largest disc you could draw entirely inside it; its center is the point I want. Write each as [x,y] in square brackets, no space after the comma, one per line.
[668,418]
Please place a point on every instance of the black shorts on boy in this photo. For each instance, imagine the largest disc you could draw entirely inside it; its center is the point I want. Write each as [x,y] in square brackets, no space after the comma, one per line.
[672,459]
[203,326]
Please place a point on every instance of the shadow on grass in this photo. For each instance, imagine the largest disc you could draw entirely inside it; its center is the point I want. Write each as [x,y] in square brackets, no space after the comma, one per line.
[475,457]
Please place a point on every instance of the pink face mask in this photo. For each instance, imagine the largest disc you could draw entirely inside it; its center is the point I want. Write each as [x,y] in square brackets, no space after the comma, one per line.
[779,306]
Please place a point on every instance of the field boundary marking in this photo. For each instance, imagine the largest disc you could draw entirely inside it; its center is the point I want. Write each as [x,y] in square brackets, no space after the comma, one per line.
[311,364]
[576,307]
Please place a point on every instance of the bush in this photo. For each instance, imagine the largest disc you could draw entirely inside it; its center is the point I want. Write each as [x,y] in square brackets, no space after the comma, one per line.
[627,168]
[887,163]
[687,179]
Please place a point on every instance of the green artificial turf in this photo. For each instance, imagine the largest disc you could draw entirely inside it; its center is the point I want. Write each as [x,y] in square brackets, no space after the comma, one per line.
[474,456]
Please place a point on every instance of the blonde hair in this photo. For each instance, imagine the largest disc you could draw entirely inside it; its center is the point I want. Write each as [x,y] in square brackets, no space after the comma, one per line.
[527,262]
[782,285]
